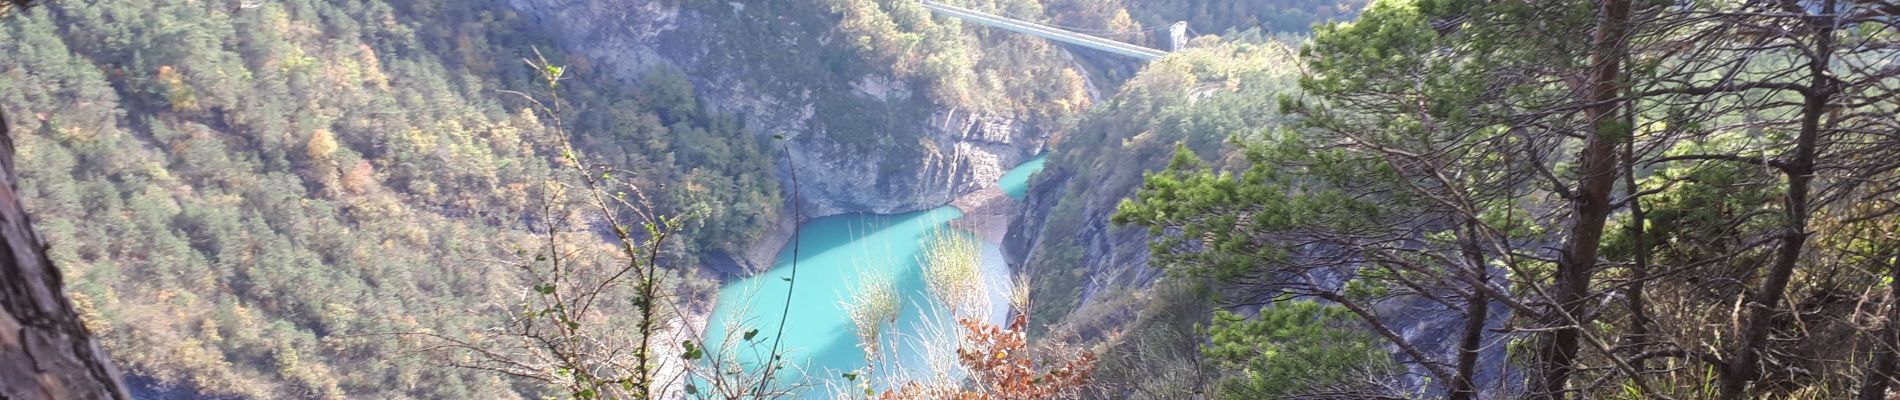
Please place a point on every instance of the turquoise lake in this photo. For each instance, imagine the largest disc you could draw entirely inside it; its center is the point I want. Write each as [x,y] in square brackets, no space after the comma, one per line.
[1015,182]
[833,255]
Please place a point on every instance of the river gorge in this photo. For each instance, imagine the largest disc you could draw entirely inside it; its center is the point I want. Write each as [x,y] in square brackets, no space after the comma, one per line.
[834,257]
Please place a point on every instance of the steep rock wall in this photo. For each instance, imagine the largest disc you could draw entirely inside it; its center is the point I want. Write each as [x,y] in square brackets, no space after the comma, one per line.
[860,140]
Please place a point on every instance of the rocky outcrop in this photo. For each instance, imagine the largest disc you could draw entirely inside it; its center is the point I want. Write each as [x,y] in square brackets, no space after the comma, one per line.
[928,154]
[1113,256]
[960,153]
[859,140]
[45,351]
[987,213]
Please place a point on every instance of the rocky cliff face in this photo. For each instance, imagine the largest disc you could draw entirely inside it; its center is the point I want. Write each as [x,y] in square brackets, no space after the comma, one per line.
[1118,254]
[859,140]
[960,153]
[1079,262]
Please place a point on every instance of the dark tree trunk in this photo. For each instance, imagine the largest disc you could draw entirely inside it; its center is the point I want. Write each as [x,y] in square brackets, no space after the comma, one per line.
[1558,351]
[1880,371]
[1744,367]
[1638,304]
[1476,311]
[45,352]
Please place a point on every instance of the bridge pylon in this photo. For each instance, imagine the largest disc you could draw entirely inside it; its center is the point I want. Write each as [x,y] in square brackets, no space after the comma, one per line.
[1178,36]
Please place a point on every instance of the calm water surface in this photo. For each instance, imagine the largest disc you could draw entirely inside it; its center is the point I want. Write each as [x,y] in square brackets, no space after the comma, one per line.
[834,253]
[1015,182]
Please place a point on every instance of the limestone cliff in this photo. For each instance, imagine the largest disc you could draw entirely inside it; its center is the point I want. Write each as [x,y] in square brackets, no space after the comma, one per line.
[859,137]
[860,140]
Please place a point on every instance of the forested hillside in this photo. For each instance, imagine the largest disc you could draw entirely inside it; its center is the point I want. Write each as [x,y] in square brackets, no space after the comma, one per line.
[1091,279]
[247,197]
[246,194]
[242,195]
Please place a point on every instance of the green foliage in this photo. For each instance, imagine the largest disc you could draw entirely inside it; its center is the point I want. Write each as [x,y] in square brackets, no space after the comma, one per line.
[693,351]
[1197,99]
[1694,208]
[1291,347]
[265,191]
[1437,151]
[1350,205]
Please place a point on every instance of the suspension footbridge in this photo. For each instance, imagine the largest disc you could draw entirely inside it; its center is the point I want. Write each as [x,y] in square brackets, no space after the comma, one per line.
[1178,32]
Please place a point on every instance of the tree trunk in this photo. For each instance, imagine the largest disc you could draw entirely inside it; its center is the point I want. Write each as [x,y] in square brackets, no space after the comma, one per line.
[1744,367]
[1476,311]
[1597,162]
[1880,371]
[1638,304]
[45,352]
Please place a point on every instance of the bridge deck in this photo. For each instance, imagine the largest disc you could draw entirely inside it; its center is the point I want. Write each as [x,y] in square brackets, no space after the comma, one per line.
[1045,31]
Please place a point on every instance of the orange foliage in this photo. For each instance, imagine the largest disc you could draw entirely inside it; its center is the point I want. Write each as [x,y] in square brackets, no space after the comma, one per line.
[181,96]
[358,178]
[1002,366]
[322,143]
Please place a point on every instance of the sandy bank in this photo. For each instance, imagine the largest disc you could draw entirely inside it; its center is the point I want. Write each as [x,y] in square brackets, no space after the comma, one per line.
[985,212]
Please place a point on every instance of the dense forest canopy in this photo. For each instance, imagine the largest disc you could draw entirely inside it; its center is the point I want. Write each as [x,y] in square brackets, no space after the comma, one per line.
[238,195]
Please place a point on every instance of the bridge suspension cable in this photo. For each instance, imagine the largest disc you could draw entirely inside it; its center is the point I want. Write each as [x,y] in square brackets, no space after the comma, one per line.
[1044,31]
[1087,31]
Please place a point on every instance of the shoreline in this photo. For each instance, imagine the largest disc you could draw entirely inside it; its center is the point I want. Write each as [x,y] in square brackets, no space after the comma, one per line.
[760,256]
[986,213]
